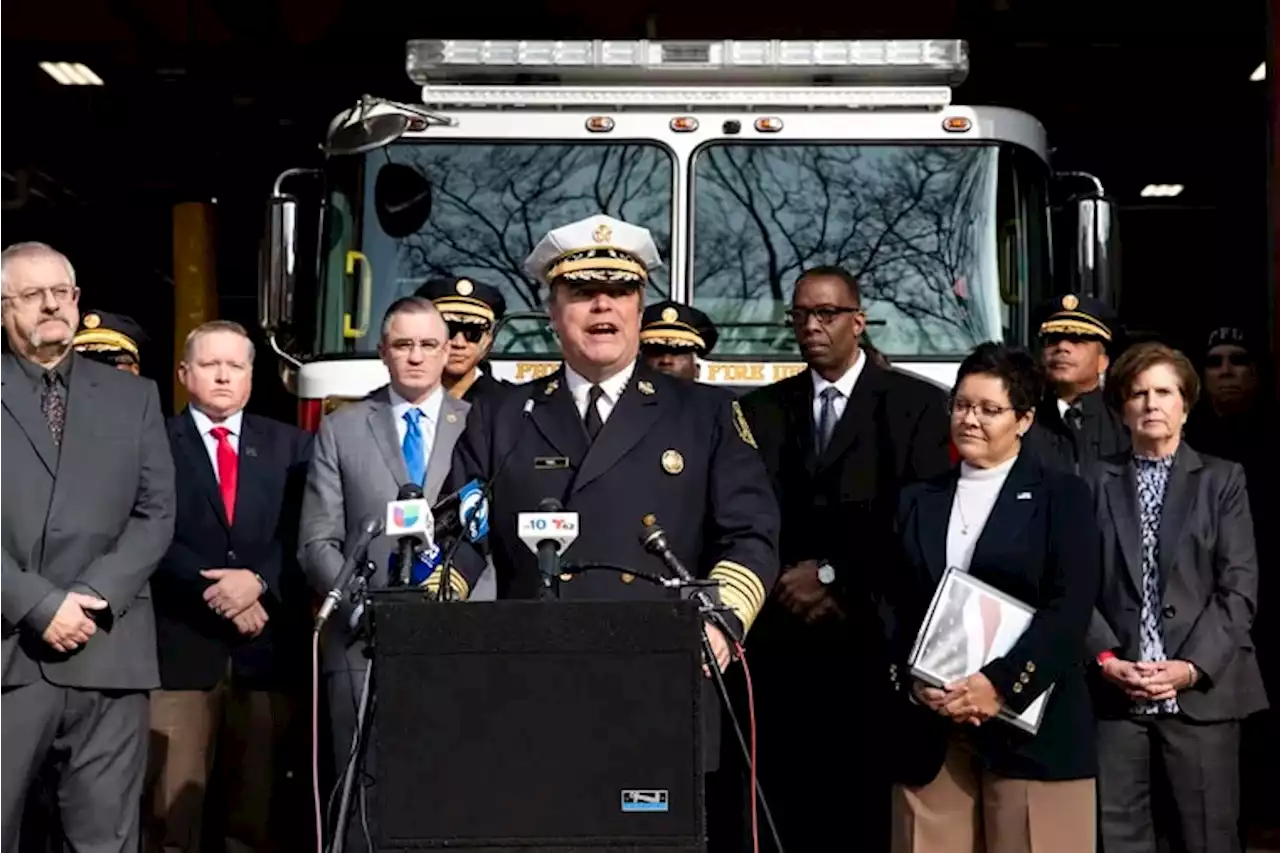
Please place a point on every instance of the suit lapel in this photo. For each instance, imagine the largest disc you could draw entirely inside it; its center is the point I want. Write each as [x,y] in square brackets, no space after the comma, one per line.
[858,417]
[192,445]
[382,424]
[1121,490]
[797,405]
[1178,499]
[556,417]
[251,479]
[931,525]
[22,399]
[1016,504]
[633,416]
[448,430]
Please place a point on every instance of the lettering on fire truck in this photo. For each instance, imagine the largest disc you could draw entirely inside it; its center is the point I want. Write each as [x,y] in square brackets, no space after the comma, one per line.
[713,372]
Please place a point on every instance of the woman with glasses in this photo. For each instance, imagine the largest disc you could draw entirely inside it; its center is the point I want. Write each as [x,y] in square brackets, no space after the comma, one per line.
[968,781]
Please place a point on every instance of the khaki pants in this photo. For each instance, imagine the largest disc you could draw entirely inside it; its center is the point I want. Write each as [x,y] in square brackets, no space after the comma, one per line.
[255,737]
[967,809]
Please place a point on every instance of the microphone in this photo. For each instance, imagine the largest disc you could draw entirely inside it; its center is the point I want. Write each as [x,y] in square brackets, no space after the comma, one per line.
[409,519]
[472,523]
[368,532]
[654,540]
[547,533]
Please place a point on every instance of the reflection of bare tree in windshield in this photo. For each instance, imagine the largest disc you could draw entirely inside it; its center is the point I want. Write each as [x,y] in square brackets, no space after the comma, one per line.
[492,202]
[915,224]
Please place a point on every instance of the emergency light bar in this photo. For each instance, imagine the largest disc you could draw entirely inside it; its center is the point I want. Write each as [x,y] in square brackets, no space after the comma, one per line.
[430,62]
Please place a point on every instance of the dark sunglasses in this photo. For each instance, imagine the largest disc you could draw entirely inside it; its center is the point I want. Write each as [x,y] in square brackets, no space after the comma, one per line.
[471,332]
[1235,359]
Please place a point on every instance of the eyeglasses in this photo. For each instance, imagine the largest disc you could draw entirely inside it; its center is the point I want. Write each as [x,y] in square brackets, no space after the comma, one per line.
[826,314]
[985,412]
[471,332]
[404,347]
[33,297]
[1235,359]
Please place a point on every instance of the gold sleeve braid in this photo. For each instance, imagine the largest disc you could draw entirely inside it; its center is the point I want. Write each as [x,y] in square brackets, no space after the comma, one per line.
[458,586]
[741,590]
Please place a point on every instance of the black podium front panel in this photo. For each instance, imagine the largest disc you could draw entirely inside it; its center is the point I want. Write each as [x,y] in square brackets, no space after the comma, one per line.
[566,726]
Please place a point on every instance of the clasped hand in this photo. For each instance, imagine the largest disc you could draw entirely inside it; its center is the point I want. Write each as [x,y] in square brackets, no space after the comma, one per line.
[971,700]
[1149,681]
[234,595]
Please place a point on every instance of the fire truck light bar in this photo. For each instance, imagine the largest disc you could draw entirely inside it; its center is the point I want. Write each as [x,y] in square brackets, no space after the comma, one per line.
[673,97]
[923,62]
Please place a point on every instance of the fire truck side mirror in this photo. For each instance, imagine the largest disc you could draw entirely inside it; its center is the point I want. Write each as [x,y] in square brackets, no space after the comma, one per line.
[1097,248]
[1087,238]
[280,256]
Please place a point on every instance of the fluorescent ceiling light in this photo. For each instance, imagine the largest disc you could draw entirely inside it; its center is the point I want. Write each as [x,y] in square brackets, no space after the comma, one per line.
[71,73]
[1161,190]
[1259,73]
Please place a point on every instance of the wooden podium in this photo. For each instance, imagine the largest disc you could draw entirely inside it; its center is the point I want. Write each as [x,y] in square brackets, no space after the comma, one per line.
[537,726]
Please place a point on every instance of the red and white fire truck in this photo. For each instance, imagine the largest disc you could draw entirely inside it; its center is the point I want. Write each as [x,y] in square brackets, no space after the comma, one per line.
[748,160]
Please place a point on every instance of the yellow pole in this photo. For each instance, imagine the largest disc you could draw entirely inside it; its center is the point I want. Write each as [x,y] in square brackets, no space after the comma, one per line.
[195,289]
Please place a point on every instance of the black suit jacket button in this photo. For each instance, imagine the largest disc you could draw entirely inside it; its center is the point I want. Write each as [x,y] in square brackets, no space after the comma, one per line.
[1170,611]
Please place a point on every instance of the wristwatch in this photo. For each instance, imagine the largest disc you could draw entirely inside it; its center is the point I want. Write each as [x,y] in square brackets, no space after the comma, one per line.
[826,574]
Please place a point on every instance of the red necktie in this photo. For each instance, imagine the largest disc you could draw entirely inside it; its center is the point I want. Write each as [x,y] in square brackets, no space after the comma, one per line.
[228,471]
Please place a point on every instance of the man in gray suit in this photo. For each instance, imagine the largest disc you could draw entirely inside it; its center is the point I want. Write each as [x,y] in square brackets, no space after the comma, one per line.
[88,497]
[402,433]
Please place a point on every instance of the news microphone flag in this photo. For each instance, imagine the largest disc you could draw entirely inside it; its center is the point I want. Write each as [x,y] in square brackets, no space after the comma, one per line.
[410,518]
[558,527]
[473,511]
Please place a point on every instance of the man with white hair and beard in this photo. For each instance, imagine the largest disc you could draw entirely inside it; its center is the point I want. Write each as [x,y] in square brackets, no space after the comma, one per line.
[88,496]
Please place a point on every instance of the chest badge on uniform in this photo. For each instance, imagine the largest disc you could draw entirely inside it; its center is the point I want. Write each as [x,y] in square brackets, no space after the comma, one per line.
[672,461]
[644,386]
[551,387]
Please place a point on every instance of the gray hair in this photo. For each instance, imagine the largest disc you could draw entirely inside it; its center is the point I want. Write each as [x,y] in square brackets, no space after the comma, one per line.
[215,326]
[409,305]
[32,249]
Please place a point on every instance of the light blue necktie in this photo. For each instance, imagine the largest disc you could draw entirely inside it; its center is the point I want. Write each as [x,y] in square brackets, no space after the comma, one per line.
[414,448]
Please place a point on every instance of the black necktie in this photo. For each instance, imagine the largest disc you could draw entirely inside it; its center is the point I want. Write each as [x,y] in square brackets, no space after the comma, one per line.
[1073,417]
[54,406]
[591,417]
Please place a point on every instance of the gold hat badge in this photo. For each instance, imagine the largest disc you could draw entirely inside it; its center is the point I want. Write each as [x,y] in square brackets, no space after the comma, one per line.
[92,321]
[1070,302]
[464,287]
[602,234]
[670,315]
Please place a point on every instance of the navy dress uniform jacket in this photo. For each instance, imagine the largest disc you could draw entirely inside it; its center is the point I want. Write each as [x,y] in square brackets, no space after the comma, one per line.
[670,447]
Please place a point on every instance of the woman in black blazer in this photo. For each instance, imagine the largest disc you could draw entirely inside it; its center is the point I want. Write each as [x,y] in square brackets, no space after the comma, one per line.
[970,782]
[1170,635]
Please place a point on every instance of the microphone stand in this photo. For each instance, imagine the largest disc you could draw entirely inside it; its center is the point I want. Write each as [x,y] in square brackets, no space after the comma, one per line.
[359,739]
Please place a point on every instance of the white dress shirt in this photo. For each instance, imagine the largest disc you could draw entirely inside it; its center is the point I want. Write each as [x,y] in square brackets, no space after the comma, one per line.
[430,409]
[579,388]
[205,426]
[844,385]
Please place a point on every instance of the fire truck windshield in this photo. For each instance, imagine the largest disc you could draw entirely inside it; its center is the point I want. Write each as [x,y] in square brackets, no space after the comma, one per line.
[917,225]
[949,242]
[475,209]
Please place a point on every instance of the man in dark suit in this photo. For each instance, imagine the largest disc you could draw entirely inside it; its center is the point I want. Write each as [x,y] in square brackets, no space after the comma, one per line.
[614,440]
[1074,426]
[470,309]
[231,611]
[79,634]
[839,441]
[673,337]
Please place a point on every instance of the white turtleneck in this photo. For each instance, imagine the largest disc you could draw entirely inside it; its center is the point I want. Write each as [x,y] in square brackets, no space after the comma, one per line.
[976,493]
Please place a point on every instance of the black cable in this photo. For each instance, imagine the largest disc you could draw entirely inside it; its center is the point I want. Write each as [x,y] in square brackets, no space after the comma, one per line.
[723,690]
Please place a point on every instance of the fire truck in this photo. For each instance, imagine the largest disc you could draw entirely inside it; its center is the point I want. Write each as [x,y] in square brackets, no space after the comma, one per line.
[750,161]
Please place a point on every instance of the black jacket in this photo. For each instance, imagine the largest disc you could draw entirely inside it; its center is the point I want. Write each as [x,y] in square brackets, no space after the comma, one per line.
[1040,545]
